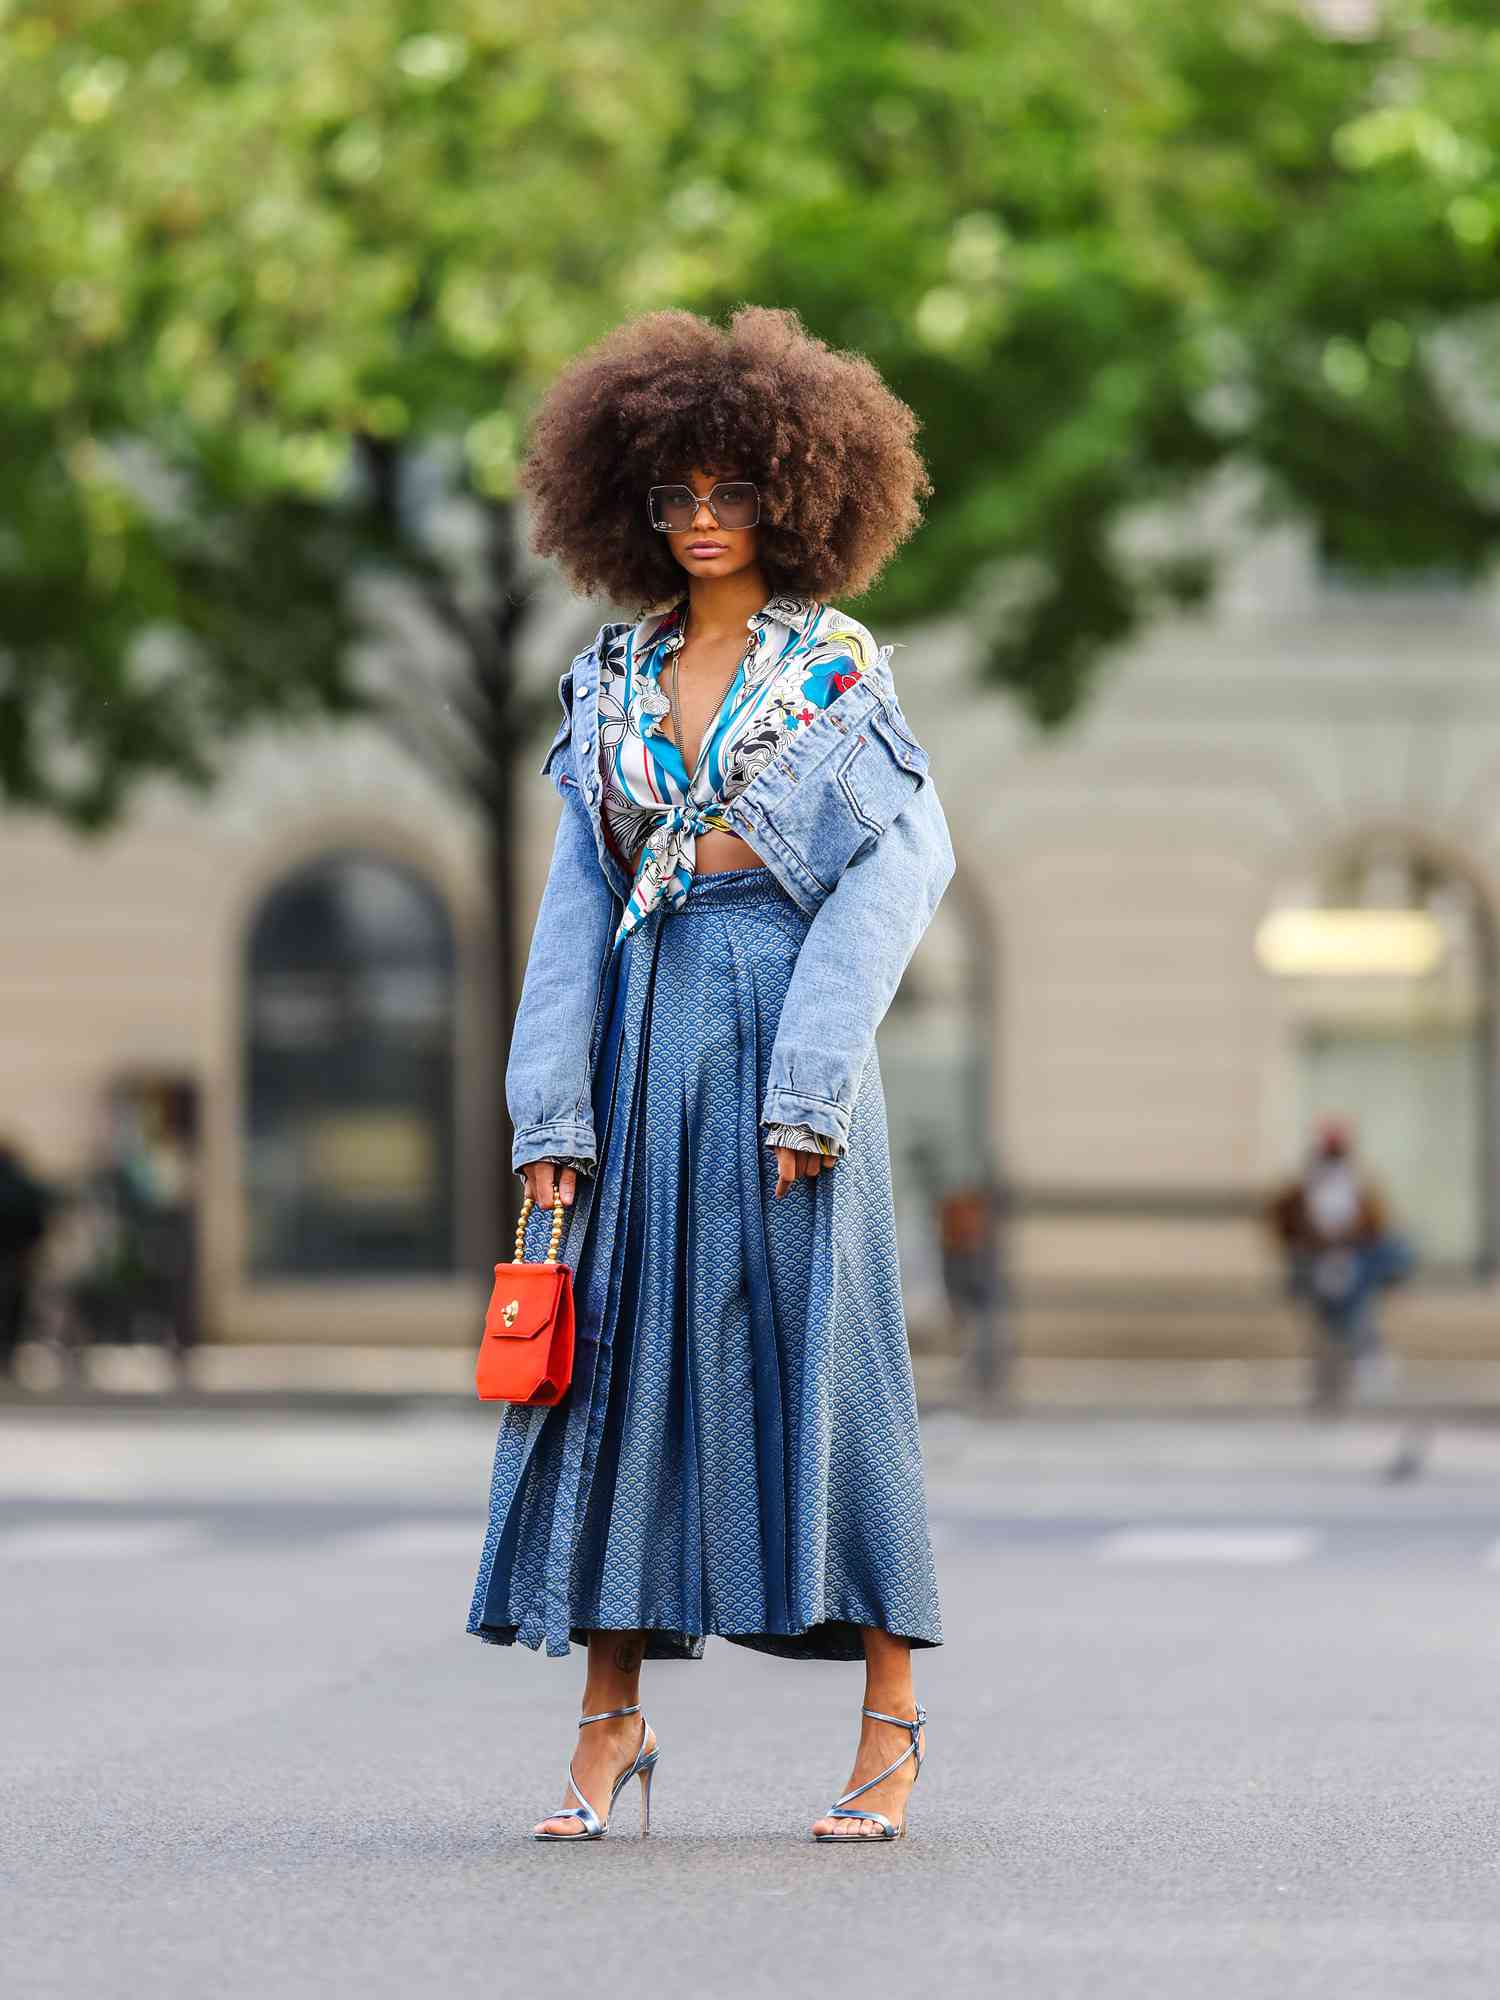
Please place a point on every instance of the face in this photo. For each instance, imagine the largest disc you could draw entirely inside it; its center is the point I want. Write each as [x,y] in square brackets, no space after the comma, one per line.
[702,546]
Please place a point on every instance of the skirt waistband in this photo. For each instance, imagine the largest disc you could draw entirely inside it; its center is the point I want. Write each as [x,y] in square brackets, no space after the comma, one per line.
[755,884]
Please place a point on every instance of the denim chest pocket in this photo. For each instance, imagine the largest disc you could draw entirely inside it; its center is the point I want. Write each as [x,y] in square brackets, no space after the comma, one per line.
[852,795]
[880,771]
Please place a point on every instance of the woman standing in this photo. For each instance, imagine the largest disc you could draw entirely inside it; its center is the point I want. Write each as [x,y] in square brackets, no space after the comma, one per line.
[751,846]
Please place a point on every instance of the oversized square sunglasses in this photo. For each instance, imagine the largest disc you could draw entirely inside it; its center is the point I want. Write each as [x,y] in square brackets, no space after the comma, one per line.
[734,503]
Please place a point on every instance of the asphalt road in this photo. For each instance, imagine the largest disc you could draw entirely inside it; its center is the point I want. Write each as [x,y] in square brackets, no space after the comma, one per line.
[1217,1716]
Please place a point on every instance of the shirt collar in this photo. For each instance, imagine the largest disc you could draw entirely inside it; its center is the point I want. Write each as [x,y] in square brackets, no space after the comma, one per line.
[797,614]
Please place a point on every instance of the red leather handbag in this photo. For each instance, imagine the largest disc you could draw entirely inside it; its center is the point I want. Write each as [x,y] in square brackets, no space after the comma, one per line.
[526,1355]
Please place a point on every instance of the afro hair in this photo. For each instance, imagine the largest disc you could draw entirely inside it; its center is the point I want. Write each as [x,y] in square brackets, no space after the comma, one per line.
[828,444]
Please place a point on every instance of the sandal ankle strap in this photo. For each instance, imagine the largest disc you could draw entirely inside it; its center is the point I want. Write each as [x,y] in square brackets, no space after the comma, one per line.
[912,1723]
[609,1714]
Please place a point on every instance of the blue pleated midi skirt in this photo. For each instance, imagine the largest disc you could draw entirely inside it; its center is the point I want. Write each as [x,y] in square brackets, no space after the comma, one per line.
[739,1452]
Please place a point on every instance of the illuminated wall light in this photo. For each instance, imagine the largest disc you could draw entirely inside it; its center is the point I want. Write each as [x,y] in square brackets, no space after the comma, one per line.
[1349,943]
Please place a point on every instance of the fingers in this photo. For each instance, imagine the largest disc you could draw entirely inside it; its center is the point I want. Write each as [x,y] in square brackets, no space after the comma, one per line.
[542,1183]
[793,1164]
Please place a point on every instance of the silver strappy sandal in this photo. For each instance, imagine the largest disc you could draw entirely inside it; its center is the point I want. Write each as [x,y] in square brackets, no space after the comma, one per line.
[842,1809]
[643,1768]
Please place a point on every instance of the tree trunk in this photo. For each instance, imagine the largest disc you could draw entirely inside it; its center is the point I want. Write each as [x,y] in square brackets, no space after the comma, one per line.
[494,713]
[498,679]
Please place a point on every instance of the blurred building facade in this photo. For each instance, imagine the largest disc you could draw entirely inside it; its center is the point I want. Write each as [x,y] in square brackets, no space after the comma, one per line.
[1129,1009]
[1257,883]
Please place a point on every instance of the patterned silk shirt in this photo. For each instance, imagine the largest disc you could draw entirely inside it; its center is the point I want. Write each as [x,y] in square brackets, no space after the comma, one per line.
[800,655]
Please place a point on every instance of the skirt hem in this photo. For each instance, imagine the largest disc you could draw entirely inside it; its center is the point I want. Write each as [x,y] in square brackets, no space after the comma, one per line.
[830,1639]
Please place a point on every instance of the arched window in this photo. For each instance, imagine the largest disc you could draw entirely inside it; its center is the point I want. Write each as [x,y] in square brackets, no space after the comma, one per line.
[1384,967]
[349,1033]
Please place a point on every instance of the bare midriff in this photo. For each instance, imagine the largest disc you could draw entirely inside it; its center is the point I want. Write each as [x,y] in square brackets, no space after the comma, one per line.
[717,851]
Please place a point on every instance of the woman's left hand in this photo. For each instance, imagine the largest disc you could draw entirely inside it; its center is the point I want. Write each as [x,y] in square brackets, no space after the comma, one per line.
[792,1163]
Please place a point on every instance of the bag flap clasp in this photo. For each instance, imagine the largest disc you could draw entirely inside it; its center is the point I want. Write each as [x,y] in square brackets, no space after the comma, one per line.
[524,1301]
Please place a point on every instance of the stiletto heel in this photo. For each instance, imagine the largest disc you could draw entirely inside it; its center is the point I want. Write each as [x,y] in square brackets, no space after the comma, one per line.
[842,1809]
[642,1765]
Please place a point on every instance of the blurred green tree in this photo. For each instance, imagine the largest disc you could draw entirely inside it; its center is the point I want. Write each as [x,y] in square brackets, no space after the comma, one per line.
[1109,250]
[253,256]
[278,283]
[254,262]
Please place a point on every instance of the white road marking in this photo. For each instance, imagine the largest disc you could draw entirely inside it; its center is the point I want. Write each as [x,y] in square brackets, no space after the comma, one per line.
[416,1538]
[98,1541]
[1206,1545]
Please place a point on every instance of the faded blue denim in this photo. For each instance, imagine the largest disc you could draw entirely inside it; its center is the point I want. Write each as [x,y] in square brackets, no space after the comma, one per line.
[847,818]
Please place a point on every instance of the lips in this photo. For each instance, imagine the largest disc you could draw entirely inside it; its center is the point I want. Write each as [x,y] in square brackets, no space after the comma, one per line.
[706,548]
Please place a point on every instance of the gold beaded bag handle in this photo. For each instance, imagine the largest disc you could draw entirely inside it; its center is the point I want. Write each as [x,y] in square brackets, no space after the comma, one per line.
[526,1353]
[558,1217]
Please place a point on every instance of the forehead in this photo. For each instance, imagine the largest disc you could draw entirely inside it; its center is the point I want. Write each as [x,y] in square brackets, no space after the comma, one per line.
[707,475]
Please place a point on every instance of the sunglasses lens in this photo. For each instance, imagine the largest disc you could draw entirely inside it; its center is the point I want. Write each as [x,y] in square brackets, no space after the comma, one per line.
[673,508]
[737,506]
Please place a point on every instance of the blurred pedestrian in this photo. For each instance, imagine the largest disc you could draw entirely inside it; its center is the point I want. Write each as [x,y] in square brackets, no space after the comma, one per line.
[153,1181]
[1335,1230]
[750,848]
[25,1205]
[971,1279]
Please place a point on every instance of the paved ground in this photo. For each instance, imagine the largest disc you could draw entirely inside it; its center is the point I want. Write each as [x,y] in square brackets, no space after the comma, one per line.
[1218,1717]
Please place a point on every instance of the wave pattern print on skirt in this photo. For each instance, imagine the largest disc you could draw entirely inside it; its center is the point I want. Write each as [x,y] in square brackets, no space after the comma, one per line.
[739,1453]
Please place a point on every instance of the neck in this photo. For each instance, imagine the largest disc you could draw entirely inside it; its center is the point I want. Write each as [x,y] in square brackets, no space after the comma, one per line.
[718,606]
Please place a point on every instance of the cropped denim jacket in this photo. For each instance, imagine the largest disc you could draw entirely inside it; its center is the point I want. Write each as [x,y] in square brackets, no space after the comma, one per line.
[845,815]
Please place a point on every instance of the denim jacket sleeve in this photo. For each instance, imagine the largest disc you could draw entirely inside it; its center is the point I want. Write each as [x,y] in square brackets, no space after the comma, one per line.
[850,963]
[547,1078]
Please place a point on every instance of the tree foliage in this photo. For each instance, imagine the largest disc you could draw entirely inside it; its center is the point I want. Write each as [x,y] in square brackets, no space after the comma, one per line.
[257,255]
[1108,249]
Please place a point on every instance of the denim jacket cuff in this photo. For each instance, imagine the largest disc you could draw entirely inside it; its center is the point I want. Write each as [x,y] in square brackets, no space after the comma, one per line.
[787,1107]
[561,1137]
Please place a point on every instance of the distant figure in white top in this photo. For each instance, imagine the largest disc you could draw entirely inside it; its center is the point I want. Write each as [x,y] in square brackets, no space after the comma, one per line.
[1334,1226]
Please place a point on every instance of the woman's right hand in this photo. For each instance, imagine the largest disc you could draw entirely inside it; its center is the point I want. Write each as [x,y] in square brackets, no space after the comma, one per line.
[541,1181]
